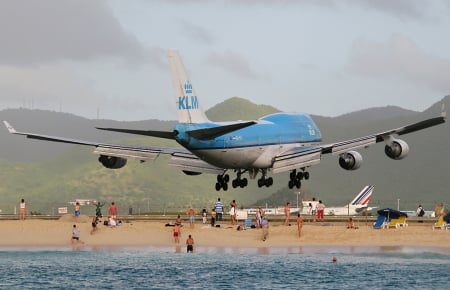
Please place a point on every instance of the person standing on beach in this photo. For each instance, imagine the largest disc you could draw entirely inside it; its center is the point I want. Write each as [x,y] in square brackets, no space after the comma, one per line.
[233,205]
[320,210]
[219,209]
[191,214]
[258,218]
[113,210]
[98,209]
[77,210]
[176,233]
[204,214]
[299,225]
[22,209]
[190,244]
[265,227]
[287,213]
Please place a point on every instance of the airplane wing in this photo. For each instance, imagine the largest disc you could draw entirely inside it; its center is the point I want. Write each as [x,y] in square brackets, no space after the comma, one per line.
[311,155]
[344,146]
[180,157]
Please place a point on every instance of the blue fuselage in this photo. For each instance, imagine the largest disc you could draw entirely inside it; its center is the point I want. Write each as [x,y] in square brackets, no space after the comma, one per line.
[254,146]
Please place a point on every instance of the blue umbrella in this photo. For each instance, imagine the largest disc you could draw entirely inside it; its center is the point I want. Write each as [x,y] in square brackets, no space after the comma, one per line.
[391,213]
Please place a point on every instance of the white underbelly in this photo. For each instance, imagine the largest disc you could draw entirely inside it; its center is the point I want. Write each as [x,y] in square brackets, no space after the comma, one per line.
[242,158]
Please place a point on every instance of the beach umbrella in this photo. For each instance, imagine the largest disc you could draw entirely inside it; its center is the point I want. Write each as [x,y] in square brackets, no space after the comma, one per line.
[391,213]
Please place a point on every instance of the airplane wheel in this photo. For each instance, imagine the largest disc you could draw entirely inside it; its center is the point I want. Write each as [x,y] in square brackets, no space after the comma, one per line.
[269,181]
[226,178]
[235,183]
[244,182]
[219,179]
[300,175]
[298,184]
[291,184]
[260,182]
[225,186]
[218,186]
[306,175]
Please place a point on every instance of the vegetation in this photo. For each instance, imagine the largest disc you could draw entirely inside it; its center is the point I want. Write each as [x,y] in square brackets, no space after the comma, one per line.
[49,175]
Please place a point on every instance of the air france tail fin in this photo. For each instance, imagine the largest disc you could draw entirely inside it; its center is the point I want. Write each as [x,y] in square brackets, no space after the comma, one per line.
[187,102]
[363,198]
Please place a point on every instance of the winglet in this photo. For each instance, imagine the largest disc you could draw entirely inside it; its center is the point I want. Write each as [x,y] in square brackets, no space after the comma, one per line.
[10,128]
[443,111]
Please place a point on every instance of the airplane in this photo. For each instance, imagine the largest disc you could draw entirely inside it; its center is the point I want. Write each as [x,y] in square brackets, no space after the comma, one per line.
[355,207]
[275,143]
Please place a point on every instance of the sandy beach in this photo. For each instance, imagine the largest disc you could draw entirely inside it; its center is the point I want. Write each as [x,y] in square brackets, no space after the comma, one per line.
[57,233]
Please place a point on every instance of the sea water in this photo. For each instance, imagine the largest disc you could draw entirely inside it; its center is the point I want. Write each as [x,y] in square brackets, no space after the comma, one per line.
[225,268]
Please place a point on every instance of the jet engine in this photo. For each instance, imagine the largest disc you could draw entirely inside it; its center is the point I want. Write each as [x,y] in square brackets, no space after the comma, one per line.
[398,149]
[112,162]
[350,160]
[187,172]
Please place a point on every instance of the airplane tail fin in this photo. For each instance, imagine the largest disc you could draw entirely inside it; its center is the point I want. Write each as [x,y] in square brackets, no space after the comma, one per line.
[188,105]
[363,198]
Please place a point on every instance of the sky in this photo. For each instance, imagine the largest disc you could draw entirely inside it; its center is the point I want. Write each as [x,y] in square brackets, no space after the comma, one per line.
[108,59]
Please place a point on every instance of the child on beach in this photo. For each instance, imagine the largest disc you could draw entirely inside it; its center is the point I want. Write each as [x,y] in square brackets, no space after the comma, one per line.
[213,217]
[94,224]
[76,235]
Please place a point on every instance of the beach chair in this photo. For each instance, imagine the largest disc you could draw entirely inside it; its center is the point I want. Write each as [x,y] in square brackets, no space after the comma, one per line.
[402,221]
[440,224]
[393,223]
[379,223]
[247,224]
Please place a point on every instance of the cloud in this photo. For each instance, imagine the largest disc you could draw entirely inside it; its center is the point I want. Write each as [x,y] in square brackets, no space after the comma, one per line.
[400,58]
[46,85]
[397,8]
[37,32]
[234,63]
[195,32]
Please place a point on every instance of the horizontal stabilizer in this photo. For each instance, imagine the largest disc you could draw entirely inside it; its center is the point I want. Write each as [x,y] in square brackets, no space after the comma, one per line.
[159,134]
[211,133]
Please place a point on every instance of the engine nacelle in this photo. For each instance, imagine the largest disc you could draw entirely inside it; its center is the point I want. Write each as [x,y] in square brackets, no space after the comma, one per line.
[350,160]
[112,162]
[398,149]
[187,172]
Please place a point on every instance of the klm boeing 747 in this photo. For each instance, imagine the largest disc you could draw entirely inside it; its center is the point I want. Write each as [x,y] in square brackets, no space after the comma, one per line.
[274,143]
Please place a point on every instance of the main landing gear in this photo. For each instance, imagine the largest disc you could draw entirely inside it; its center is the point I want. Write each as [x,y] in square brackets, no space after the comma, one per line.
[263,181]
[222,182]
[223,179]
[296,177]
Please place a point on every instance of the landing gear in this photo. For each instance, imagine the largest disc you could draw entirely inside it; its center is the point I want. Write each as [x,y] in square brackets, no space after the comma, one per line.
[223,179]
[222,182]
[241,182]
[297,177]
[263,181]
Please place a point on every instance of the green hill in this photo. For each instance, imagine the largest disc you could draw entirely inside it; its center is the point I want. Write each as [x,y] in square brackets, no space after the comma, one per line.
[48,175]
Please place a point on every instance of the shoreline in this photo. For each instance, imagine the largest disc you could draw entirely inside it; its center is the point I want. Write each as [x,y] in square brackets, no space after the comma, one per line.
[283,250]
